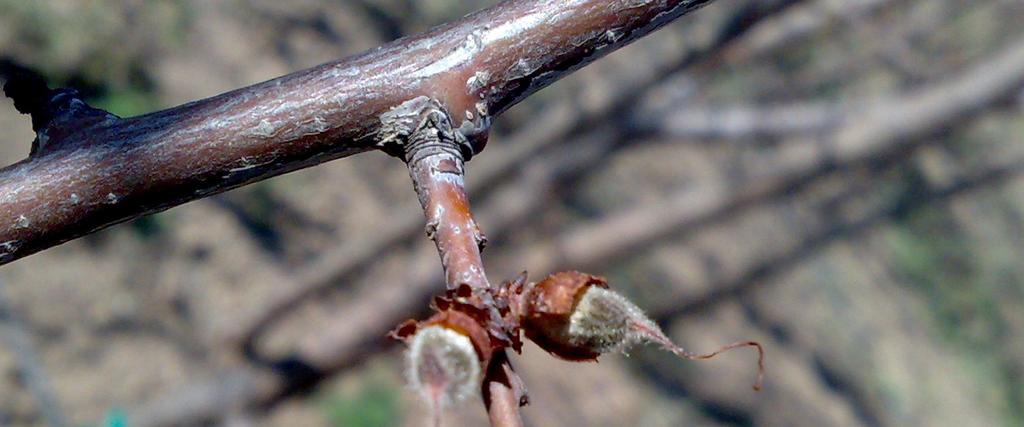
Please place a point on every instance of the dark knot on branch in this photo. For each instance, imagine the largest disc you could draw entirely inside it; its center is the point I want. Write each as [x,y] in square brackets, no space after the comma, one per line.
[28,89]
[55,112]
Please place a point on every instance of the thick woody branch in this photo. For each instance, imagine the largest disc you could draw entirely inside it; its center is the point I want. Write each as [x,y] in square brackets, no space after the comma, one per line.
[105,172]
[55,113]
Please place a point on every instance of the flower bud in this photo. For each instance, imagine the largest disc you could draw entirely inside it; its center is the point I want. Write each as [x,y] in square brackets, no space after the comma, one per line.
[575,316]
[445,357]
[442,366]
[605,322]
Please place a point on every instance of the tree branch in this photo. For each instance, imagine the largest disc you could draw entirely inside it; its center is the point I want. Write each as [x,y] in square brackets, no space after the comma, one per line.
[556,123]
[753,272]
[102,172]
[730,123]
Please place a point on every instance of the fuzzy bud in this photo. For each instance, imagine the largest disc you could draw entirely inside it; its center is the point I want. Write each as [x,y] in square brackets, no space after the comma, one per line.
[445,357]
[605,321]
[442,366]
[575,316]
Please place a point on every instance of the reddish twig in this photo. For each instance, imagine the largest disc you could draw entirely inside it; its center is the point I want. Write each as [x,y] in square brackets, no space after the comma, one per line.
[422,133]
[503,393]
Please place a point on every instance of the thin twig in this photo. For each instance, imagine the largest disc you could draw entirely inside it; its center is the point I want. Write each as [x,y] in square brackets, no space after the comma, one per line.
[433,152]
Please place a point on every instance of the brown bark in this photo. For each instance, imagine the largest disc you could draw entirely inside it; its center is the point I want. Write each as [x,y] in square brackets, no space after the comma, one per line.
[95,170]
